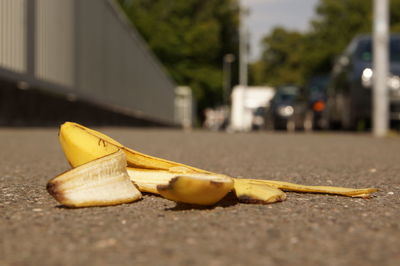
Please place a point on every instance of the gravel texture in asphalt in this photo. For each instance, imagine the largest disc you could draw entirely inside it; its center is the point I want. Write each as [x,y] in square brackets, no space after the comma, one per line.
[306,229]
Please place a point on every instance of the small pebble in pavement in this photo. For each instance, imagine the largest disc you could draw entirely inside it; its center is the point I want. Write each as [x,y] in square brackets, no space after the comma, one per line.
[105,243]
[372,170]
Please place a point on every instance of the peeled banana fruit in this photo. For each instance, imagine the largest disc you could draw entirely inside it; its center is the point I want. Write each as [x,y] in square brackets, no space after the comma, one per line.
[182,183]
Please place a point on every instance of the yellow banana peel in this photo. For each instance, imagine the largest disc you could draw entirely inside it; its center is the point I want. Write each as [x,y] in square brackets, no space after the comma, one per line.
[286,186]
[199,189]
[148,180]
[81,145]
[179,182]
[250,192]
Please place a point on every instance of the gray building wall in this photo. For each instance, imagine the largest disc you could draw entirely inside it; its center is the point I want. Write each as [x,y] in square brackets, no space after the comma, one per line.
[86,50]
[12,35]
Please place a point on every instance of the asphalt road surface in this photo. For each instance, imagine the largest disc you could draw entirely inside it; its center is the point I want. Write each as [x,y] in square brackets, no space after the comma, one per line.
[306,229]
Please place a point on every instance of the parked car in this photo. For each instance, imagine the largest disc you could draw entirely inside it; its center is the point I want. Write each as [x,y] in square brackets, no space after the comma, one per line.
[350,92]
[287,109]
[317,98]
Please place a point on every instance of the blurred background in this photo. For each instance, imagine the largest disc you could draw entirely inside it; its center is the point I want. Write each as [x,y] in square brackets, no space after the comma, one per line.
[218,64]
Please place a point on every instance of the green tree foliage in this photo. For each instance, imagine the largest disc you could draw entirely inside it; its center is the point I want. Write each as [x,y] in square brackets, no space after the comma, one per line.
[190,38]
[281,60]
[336,23]
[395,16]
[302,55]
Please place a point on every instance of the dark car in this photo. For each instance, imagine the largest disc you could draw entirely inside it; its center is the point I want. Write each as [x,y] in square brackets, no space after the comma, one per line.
[350,92]
[317,98]
[287,109]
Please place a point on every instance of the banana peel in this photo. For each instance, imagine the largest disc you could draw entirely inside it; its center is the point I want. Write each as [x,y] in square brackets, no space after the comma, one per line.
[101,182]
[180,182]
[198,189]
[148,179]
[181,185]
[250,192]
[81,145]
[286,186]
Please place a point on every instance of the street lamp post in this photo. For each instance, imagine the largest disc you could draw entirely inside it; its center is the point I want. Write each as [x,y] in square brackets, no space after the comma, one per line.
[380,64]
[227,66]
[243,47]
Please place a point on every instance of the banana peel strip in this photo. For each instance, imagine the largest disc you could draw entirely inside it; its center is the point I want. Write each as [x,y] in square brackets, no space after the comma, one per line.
[134,158]
[199,189]
[151,174]
[250,192]
[286,186]
[101,182]
[182,186]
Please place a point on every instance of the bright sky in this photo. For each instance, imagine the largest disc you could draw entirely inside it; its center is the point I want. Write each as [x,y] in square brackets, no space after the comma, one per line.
[266,14]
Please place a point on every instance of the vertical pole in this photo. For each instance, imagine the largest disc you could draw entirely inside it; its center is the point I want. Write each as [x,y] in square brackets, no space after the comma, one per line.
[243,47]
[227,64]
[225,80]
[380,64]
[241,108]
[228,82]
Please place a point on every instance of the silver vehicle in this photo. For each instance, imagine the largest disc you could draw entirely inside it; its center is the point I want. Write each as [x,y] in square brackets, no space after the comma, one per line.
[350,93]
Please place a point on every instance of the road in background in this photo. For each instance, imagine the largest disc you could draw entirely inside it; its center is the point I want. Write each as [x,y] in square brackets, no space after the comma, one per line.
[306,229]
